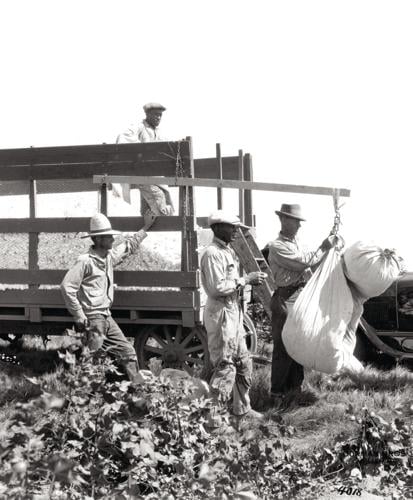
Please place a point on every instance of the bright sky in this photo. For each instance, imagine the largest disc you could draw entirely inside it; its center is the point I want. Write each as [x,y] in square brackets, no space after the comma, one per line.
[319,92]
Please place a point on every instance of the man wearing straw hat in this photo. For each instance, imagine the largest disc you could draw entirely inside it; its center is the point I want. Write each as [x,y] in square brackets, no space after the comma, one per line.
[292,267]
[223,319]
[87,289]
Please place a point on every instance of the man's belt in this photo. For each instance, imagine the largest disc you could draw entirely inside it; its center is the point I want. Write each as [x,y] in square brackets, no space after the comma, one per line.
[286,291]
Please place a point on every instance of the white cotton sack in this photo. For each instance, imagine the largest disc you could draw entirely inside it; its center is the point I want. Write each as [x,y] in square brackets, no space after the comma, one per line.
[316,332]
[370,268]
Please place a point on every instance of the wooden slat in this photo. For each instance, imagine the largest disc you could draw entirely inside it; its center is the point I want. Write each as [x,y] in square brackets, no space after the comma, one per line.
[81,224]
[207,168]
[122,278]
[162,300]
[248,176]
[33,237]
[95,153]
[231,184]
[219,166]
[86,170]
[241,213]
[103,199]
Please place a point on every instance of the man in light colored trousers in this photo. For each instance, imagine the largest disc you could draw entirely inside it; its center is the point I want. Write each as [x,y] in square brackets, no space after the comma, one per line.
[223,319]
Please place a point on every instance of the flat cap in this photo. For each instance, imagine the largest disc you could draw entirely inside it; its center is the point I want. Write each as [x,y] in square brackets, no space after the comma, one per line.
[222,217]
[153,105]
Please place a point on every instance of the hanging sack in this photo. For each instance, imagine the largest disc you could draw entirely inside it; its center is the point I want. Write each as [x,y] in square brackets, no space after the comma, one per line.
[316,332]
[370,268]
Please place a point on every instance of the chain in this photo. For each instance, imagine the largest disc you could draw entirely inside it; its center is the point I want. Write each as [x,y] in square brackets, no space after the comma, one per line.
[336,225]
[337,218]
[179,172]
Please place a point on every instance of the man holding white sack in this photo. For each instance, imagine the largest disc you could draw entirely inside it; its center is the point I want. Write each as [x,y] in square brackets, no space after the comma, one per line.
[223,319]
[292,267]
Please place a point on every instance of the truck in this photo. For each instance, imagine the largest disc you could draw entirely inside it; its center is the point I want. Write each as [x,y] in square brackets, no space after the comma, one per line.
[161,310]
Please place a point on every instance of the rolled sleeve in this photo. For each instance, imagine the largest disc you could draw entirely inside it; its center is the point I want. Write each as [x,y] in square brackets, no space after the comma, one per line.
[127,246]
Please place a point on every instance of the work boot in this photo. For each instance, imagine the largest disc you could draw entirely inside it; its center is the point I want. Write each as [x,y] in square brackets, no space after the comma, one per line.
[277,400]
[249,419]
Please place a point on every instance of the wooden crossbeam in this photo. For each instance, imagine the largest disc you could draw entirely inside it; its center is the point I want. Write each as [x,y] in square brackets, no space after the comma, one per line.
[178,279]
[94,153]
[219,183]
[164,300]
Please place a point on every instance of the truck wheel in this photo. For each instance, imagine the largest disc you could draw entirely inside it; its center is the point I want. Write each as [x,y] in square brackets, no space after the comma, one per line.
[175,346]
[368,353]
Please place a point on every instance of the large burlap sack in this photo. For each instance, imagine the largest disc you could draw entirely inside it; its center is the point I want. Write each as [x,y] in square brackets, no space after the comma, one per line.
[370,268]
[316,333]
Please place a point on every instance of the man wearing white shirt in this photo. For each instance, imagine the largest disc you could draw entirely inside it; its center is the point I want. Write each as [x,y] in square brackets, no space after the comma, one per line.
[156,198]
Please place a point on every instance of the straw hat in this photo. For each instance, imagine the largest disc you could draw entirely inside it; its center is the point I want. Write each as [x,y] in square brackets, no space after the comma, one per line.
[222,217]
[100,226]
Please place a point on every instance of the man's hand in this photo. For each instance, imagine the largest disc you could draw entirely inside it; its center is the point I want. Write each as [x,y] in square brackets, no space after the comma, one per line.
[149,218]
[332,241]
[307,273]
[328,243]
[81,325]
[255,278]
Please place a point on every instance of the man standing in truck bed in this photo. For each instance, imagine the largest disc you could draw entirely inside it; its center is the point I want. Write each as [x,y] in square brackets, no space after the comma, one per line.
[155,198]
[87,290]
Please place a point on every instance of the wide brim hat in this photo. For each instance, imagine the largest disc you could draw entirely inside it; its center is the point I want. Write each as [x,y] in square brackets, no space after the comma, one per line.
[291,210]
[100,226]
[222,217]
[153,105]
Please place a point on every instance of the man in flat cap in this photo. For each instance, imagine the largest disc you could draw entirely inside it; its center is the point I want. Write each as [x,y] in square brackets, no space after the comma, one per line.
[292,266]
[155,198]
[223,319]
[88,287]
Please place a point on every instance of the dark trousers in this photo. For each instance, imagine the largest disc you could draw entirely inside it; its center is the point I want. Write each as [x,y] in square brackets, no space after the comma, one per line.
[286,374]
[104,333]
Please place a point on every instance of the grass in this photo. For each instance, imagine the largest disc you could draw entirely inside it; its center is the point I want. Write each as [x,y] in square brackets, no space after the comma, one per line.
[323,412]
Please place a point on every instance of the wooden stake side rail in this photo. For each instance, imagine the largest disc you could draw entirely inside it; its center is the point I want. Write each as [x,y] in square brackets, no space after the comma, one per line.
[81,224]
[217,183]
[139,299]
[189,279]
[69,178]
[95,153]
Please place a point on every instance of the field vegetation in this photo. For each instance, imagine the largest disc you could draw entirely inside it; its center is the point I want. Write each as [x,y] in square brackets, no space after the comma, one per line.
[70,428]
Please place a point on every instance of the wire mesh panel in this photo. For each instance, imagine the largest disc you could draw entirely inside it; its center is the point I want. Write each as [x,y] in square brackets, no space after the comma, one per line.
[66,198]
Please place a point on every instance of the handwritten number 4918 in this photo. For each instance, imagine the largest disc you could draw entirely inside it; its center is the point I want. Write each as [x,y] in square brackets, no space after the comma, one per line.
[349,491]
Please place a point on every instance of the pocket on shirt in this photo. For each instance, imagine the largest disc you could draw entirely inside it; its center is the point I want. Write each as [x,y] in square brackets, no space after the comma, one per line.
[95,292]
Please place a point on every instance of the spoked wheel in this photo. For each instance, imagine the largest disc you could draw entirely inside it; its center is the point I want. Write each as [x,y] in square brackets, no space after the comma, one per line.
[175,346]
